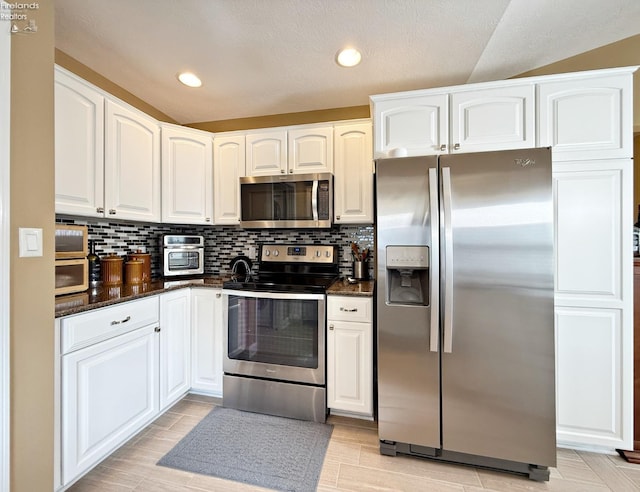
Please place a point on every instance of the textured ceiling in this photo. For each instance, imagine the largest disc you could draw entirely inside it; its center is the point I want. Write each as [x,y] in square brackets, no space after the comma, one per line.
[261,57]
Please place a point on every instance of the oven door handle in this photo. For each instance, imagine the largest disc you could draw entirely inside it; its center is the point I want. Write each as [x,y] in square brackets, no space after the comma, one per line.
[273,295]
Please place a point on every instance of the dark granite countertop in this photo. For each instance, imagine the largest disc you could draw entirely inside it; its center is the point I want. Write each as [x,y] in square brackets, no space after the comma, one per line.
[102,296]
[363,288]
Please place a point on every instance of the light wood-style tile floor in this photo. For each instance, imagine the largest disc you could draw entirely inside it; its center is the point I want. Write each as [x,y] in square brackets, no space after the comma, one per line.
[352,463]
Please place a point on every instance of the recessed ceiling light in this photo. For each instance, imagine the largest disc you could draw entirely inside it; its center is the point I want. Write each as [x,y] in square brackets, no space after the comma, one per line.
[189,79]
[348,57]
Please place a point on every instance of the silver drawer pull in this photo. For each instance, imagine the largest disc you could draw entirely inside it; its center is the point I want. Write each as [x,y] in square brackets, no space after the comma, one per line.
[349,310]
[116,322]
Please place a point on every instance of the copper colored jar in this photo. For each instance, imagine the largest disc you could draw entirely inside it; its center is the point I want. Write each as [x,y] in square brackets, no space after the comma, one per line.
[111,267]
[133,272]
[145,258]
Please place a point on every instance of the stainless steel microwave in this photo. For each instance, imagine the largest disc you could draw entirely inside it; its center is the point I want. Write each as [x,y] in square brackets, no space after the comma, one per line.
[287,201]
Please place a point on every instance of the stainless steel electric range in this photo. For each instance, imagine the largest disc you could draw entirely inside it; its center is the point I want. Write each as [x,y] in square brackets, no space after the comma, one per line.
[275,332]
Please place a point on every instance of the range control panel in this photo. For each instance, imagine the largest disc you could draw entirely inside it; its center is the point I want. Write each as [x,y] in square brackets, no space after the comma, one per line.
[307,253]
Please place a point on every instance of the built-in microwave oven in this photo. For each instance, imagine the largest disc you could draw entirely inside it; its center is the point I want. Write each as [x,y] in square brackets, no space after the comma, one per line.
[287,201]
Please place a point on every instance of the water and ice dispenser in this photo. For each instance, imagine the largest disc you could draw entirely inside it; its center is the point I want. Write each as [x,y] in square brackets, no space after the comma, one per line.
[407,275]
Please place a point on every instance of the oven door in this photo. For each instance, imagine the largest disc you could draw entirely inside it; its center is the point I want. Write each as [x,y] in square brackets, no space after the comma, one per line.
[183,261]
[279,336]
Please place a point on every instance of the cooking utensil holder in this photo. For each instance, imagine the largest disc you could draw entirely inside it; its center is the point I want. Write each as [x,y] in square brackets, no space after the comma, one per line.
[361,270]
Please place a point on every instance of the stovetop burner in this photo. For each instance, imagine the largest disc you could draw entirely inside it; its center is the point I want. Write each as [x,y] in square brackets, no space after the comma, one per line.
[290,268]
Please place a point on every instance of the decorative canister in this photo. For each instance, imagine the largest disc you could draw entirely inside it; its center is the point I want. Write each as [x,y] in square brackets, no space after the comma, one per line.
[133,272]
[111,266]
[146,263]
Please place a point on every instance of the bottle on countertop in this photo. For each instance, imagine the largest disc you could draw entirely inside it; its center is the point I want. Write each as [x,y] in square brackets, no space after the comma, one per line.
[94,263]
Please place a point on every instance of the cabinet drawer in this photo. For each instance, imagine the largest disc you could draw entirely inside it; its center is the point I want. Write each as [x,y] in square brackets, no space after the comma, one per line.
[86,329]
[349,308]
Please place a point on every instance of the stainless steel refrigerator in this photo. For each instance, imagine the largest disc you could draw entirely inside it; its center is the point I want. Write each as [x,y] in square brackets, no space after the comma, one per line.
[465,274]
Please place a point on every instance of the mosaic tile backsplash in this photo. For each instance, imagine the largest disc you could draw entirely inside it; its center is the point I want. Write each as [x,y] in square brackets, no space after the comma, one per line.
[222,244]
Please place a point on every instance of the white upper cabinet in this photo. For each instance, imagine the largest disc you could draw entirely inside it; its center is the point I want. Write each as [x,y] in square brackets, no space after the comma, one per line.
[187,175]
[452,120]
[310,150]
[266,152]
[417,123]
[79,147]
[587,117]
[353,174]
[228,167]
[296,150]
[132,164]
[493,119]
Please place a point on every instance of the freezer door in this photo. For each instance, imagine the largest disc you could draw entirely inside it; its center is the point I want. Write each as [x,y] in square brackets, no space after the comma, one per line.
[407,300]
[498,394]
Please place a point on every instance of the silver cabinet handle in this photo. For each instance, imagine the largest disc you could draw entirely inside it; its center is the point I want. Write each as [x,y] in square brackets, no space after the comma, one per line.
[456,146]
[157,329]
[281,171]
[434,261]
[443,147]
[112,211]
[337,217]
[218,295]
[331,327]
[100,210]
[349,310]
[448,260]
[117,322]
[290,171]
[208,219]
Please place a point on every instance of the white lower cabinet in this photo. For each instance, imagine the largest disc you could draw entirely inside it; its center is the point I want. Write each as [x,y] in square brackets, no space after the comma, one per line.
[175,346]
[119,367]
[350,355]
[207,341]
[109,392]
[593,354]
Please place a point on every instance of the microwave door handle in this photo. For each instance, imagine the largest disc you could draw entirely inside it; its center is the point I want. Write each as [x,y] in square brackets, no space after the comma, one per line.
[314,199]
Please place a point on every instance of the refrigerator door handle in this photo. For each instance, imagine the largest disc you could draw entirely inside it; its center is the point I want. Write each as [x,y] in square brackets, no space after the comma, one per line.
[448,262]
[434,261]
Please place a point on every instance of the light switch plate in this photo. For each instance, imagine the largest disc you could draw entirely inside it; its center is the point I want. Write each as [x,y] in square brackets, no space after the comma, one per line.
[30,241]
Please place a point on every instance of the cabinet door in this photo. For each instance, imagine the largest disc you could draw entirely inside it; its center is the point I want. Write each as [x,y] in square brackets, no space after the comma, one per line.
[587,117]
[109,392]
[187,176]
[594,303]
[350,367]
[594,378]
[79,147]
[353,176]
[132,164]
[593,233]
[175,346]
[493,119]
[266,153]
[228,167]
[417,124]
[310,150]
[207,341]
